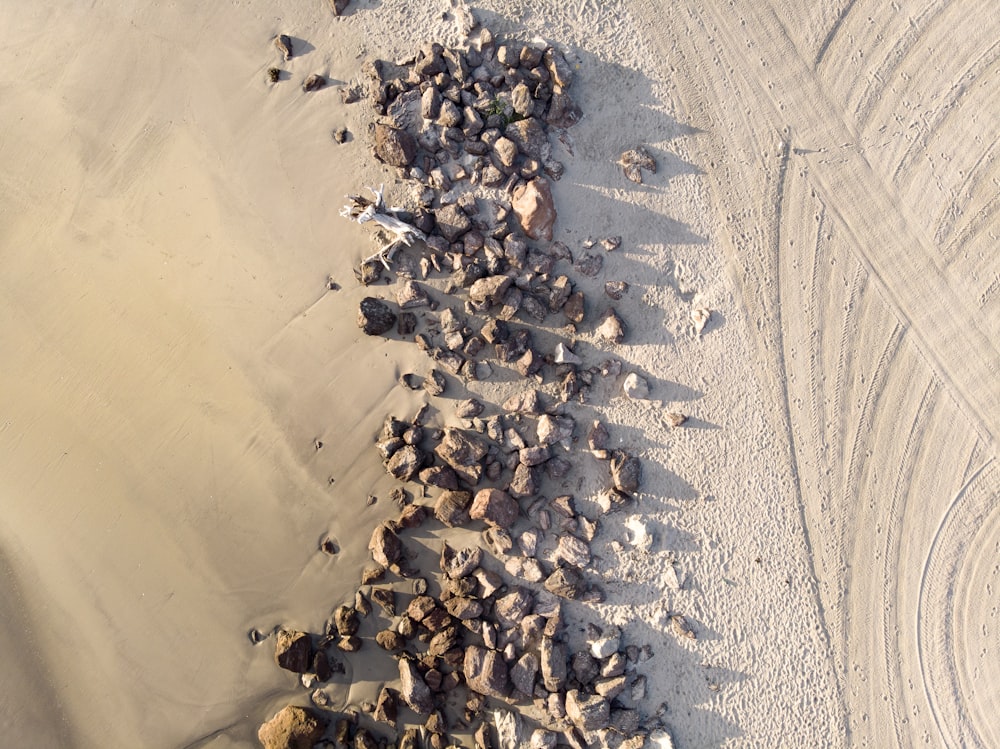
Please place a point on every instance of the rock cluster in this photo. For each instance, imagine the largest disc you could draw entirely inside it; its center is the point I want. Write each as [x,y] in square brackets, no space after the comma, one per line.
[458,122]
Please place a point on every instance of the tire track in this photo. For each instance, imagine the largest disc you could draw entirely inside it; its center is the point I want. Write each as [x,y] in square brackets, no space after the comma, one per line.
[817,61]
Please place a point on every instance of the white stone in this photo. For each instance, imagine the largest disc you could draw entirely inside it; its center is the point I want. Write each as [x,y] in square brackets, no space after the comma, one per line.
[564,355]
[638,534]
[635,387]
[660,740]
[542,739]
[604,647]
[700,317]
[508,725]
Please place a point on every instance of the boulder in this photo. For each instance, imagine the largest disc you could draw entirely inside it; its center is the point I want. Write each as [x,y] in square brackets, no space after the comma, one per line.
[375,317]
[552,659]
[385,546]
[535,209]
[588,712]
[394,146]
[452,508]
[459,563]
[513,607]
[293,651]
[292,728]
[524,672]
[413,690]
[494,506]
[626,472]
[530,138]
[566,582]
[485,672]
[452,222]
[406,462]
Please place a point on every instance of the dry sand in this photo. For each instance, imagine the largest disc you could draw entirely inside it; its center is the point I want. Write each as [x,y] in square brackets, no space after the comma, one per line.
[827,186]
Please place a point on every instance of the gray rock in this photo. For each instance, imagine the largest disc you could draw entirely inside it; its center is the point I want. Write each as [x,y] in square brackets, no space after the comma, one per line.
[508,725]
[375,317]
[525,482]
[589,264]
[513,607]
[616,289]
[534,455]
[410,294]
[435,382]
[574,310]
[560,70]
[443,477]
[588,711]
[413,690]
[626,472]
[530,137]
[552,659]
[485,672]
[524,672]
[506,152]
[566,582]
[554,429]
[430,103]
[452,222]
[585,667]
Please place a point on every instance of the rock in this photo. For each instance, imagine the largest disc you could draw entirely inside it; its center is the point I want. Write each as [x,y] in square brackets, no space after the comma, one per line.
[554,429]
[573,310]
[444,641]
[530,138]
[660,739]
[559,69]
[676,419]
[614,665]
[508,725]
[529,402]
[292,728]
[389,640]
[495,507]
[338,6]
[585,667]
[552,659]
[566,582]
[349,644]
[563,111]
[611,500]
[521,100]
[597,438]
[313,83]
[409,294]
[469,408]
[588,711]
[420,607]
[406,462]
[443,477]
[525,482]
[700,317]
[626,722]
[452,508]
[603,647]
[284,45]
[534,455]
[387,708]
[452,222]
[489,582]
[615,289]
[394,146]
[589,264]
[293,651]
[635,387]
[386,599]
[611,329]
[513,607]
[346,621]
[456,564]
[626,472]
[485,672]
[375,317]
[640,537]
[489,291]
[435,383]
[463,608]
[535,209]
[523,673]
[506,152]
[430,103]
[413,691]
[634,161]
[385,546]
[573,551]
[565,355]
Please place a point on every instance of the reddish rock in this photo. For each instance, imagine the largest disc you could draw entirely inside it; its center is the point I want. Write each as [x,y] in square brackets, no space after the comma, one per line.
[485,672]
[495,507]
[535,209]
[292,728]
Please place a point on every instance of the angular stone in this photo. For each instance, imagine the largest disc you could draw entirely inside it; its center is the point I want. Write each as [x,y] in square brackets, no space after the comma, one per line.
[410,294]
[387,708]
[534,455]
[552,659]
[419,607]
[554,429]
[443,477]
[535,209]
[524,672]
[573,550]
[293,651]
[611,329]
[485,672]
[413,690]
[292,728]
[588,711]
[529,402]
[393,146]
[385,546]
[626,472]
[513,607]
[375,317]
[566,582]
[386,599]
[452,508]
[573,310]
[468,409]
[389,640]
[452,222]
[406,462]
[616,289]
[530,137]
[345,620]
[463,608]
[284,45]
[490,290]
[456,564]
[525,482]
[635,387]
[495,507]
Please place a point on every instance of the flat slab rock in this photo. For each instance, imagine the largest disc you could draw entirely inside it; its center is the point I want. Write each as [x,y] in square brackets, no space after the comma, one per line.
[486,672]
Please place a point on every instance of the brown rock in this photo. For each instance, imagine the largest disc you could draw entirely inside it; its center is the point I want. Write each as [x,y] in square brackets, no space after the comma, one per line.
[597,438]
[535,209]
[410,294]
[529,136]
[468,408]
[485,672]
[350,644]
[444,641]
[385,598]
[534,455]
[389,640]
[292,728]
[456,564]
[313,83]
[574,308]
[566,582]
[525,482]
[420,607]
[513,607]
[405,463]
[413,691]
[495,507]
[393,146]
[452,222]
[346,621]
[676,419]
[588,711]
[385,546]
[452,508]
[412,516]
[284,45]
[443,477]
[293,651]
[552,659]
[616,289]
[338,6]
[387,707]
[489,291]
[529,402]
[463,608]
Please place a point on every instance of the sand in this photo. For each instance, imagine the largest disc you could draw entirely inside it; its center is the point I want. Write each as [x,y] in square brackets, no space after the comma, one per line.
[172,353]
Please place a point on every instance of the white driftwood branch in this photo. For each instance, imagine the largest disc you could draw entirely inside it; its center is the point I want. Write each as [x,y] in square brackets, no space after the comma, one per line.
[362,211]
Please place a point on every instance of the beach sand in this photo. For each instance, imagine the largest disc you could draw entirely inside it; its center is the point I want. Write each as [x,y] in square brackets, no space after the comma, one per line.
[827,521]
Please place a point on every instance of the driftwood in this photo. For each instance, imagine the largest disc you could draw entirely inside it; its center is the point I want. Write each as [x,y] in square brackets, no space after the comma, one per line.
[362,210]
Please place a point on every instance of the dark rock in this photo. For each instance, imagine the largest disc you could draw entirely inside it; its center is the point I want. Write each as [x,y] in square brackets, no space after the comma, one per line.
[442,477]
[313,83]
[452,508]
[552,659]
[490,291]
[430,103]
[495,507]
[597,438]
[274,75]
[616,289]
[524,672]
[558,467]
[563,111]
[430,62]
[535,209]
[346,621]
[566,582]
[534,455]
[322,668]
[574,308]
[389,640]
[394,146]
[413,691]
[589,264]
[461,449]
[495,331]
[412,516]
[385,546]
[463,608]
[452,222]
[469,408]
[588,711]
[410,294]
[529,137]
[485,672]
[284,45]
[419,607]
[375,317]
[529,363]
[410,739]
[525,482]
[293,651]
[585,667]
[437,620]
[385,598]
[513,607]
[363,738]
[560,70]
[338,6]
[444,641]
[292,728]
[626,472]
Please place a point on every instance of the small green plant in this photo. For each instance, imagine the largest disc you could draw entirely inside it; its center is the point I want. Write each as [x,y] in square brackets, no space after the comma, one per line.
[503,109]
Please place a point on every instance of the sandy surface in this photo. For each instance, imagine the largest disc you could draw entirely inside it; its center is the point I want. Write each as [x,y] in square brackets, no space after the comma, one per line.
[827,186]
